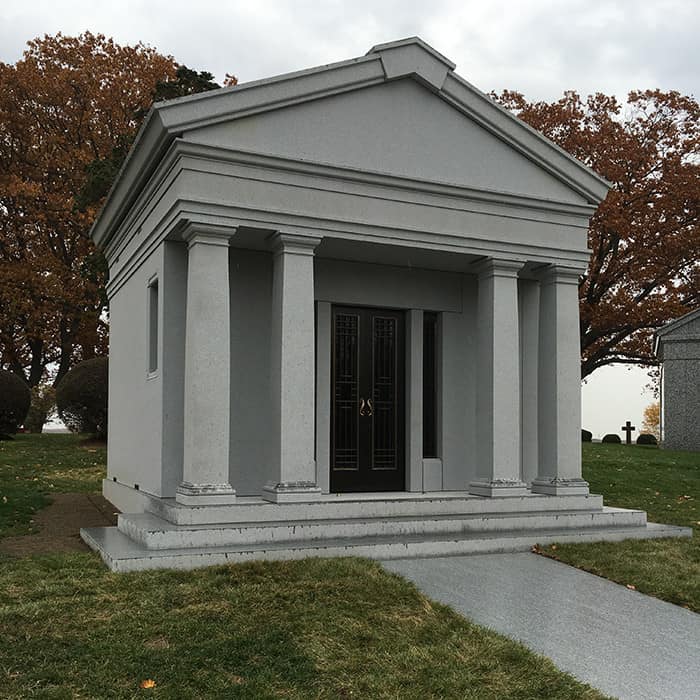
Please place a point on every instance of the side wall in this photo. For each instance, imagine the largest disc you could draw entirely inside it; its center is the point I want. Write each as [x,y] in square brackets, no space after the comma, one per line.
[681,401]
[135,394]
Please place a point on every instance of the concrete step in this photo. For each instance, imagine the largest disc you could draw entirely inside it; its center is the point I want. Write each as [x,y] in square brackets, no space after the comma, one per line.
[155,533]
[121,553]
[343,506]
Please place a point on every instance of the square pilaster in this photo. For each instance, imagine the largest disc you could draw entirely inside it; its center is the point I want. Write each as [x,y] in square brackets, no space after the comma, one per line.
[559,385]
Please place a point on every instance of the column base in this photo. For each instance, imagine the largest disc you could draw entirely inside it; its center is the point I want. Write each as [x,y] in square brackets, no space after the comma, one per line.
[498,487]
[189,494]
[553,486]
[290,491]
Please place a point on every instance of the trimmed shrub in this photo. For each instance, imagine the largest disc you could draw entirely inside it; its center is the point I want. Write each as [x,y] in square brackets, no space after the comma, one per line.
[81,397]
[15,398]
[586,435]
[612,438]
[647,439]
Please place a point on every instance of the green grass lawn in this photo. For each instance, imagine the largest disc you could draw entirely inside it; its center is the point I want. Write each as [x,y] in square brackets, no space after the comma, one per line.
[315,628]
[342,628]
[34,466]
[667,486]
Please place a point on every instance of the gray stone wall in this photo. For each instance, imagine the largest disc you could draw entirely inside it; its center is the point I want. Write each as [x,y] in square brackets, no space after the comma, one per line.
[679,350]
[681,405]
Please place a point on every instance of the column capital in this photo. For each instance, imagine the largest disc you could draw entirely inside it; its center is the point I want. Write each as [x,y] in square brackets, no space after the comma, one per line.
[294,243]
[498,267]
[207,234]
[559,274]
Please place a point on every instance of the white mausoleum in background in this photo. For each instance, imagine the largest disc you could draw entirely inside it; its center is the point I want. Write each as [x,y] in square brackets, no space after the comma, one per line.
[344,319]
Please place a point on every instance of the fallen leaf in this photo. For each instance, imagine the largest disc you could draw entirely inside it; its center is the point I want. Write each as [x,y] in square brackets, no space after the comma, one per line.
[148,683]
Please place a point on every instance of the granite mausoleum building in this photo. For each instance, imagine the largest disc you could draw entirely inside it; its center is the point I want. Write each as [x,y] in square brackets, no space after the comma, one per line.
[677,345]
[344,320]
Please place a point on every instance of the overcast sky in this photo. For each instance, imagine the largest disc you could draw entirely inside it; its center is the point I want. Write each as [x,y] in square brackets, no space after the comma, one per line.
[538,47]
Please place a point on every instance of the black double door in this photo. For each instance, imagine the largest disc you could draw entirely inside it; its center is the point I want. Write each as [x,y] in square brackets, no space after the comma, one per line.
[367,400]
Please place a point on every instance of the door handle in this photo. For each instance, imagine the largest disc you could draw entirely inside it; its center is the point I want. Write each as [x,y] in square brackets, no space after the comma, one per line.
[371,408]
[362,407]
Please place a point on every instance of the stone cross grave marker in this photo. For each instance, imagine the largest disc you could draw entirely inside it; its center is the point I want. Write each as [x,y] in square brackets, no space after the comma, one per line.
[627,428]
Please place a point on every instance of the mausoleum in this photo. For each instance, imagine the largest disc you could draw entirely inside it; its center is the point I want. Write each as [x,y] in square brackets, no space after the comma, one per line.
[677,345]
[344,320]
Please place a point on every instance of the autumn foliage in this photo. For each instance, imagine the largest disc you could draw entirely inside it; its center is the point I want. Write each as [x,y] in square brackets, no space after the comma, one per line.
[67,102]
[645,238]
[652,420]
[69,110]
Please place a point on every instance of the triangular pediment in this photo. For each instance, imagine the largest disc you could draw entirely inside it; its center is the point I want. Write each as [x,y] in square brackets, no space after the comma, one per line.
[399,128]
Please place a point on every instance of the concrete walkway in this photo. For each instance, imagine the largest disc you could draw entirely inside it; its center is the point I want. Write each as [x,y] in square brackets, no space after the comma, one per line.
[624,643]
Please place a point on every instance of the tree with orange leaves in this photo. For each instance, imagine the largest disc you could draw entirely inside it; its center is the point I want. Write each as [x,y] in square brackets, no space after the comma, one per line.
[652,420]
[69,110]
[645,236]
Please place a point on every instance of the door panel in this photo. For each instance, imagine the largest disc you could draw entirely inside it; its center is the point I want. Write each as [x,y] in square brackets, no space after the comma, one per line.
[345,387]
[367,400]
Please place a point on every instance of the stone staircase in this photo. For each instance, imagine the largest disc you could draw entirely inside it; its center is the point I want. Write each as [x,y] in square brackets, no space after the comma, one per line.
[385,526]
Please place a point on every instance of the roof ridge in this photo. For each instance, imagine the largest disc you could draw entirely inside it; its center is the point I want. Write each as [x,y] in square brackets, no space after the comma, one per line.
[676,323]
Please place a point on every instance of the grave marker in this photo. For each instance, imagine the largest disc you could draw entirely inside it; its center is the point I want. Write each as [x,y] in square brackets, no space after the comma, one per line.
[627,428]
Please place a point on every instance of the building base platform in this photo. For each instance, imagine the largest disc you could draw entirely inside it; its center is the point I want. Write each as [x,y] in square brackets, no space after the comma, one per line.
[379,526]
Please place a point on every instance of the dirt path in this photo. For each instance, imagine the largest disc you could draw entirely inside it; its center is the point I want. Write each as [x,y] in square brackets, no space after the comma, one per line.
[59,525]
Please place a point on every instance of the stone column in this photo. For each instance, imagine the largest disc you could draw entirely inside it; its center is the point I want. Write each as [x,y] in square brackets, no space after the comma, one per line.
[293,369]
[559,391]
[498,382]
[207,374]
